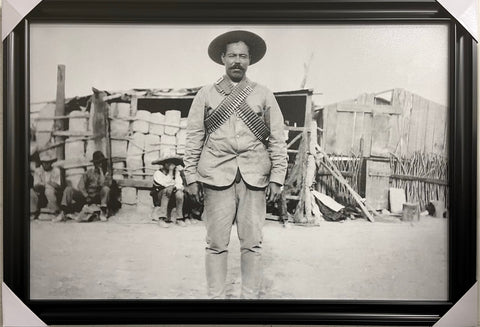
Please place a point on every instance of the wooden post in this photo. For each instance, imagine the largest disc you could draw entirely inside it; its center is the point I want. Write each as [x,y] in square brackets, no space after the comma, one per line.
[109,139]
[310,172]
[59,124]
[101,128]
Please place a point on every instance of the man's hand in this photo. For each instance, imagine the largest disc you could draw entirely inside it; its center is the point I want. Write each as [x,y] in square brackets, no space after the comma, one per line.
[195,191]
[273,192]
[169,190]
[54,185]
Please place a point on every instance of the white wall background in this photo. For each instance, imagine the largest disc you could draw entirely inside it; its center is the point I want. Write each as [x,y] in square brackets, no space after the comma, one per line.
[347,60]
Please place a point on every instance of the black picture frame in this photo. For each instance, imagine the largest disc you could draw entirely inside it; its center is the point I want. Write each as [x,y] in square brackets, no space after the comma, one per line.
[462,163]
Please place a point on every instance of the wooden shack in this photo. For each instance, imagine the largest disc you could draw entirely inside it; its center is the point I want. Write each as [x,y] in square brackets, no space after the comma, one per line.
[393,138]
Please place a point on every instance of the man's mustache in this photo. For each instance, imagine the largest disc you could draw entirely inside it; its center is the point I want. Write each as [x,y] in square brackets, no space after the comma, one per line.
[237,67]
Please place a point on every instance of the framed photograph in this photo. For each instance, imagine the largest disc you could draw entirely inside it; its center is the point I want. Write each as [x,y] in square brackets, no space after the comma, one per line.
[276,162]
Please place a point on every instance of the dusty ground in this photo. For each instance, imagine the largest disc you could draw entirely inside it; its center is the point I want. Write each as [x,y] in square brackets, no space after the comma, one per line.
[130,257]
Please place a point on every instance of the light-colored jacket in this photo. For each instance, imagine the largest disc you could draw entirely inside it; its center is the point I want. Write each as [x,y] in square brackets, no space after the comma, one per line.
[214,158]
[49,179]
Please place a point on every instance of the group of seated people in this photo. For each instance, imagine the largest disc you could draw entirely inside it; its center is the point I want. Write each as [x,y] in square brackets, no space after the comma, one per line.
[97,196]
[94,198]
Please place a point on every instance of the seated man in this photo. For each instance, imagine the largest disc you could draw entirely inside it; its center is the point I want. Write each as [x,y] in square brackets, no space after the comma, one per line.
[93,188]
[167,192]
[47,189]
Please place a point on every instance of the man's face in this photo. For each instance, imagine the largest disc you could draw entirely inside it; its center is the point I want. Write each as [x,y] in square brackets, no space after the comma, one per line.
[47,165]
[236,60]
[170,166]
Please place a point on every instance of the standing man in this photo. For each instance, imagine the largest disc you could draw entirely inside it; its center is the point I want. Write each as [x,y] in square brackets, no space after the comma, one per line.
[235,159]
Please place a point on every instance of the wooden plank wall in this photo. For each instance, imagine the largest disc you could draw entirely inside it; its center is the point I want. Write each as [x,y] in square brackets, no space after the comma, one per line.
[410,124]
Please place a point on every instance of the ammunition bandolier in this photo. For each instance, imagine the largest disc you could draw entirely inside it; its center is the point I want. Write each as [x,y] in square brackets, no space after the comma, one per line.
[235,103]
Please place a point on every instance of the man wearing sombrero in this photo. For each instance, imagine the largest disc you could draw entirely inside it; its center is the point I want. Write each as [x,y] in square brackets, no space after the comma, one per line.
[47,189]
[235,159]
[167,192]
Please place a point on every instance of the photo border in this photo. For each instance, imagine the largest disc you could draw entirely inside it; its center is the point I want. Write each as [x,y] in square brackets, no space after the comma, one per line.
[462,162]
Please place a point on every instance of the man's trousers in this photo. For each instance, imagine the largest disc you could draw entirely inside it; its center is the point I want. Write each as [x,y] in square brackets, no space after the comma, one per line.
[245,206]
[162,202]
[73,200]
[41,197]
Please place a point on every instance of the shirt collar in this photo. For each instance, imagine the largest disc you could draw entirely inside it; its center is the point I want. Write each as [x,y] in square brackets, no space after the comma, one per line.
[225,85]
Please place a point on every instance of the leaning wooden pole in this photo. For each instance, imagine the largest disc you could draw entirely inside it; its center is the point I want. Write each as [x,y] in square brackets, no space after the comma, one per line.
[338,175]
[101,125]
[59,124]
[316,215]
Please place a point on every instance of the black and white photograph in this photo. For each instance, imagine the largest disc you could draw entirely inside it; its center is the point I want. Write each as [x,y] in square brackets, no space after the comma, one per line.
[240,161]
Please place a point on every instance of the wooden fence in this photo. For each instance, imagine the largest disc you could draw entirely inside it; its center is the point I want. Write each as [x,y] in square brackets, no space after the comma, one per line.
[422,176]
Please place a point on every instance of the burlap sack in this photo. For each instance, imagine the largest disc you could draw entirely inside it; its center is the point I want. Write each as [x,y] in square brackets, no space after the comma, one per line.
[142,121]
[168,145]
[129,195]
[172,122]
[119,148]
[119,109]
[152,152]
[77,121]
[75,149]
[136,145]
[119,127]
[135,167]
[119,170]
[157,121]
[181,139]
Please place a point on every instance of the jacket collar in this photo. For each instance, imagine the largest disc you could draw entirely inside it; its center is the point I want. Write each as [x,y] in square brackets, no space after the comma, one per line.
[224,84]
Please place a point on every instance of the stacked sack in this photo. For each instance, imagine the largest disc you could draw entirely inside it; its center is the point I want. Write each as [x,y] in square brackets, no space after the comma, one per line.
[119,114]
[152,152]
[156,124]
[181,137]
[154,135]
[136,147]
[75,147]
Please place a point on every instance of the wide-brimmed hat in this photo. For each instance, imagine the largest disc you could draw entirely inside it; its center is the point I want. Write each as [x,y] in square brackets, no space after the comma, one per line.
[98,156]
[256,45]
[48,155]
[176,160]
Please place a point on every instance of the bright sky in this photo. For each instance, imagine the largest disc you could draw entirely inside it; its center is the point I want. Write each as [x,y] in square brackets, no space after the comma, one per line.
[347,59]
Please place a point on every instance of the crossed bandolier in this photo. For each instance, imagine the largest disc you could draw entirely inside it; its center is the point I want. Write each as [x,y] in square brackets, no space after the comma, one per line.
[235,103]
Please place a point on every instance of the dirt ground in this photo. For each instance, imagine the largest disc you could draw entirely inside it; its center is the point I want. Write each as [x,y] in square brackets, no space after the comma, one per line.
[130,257]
